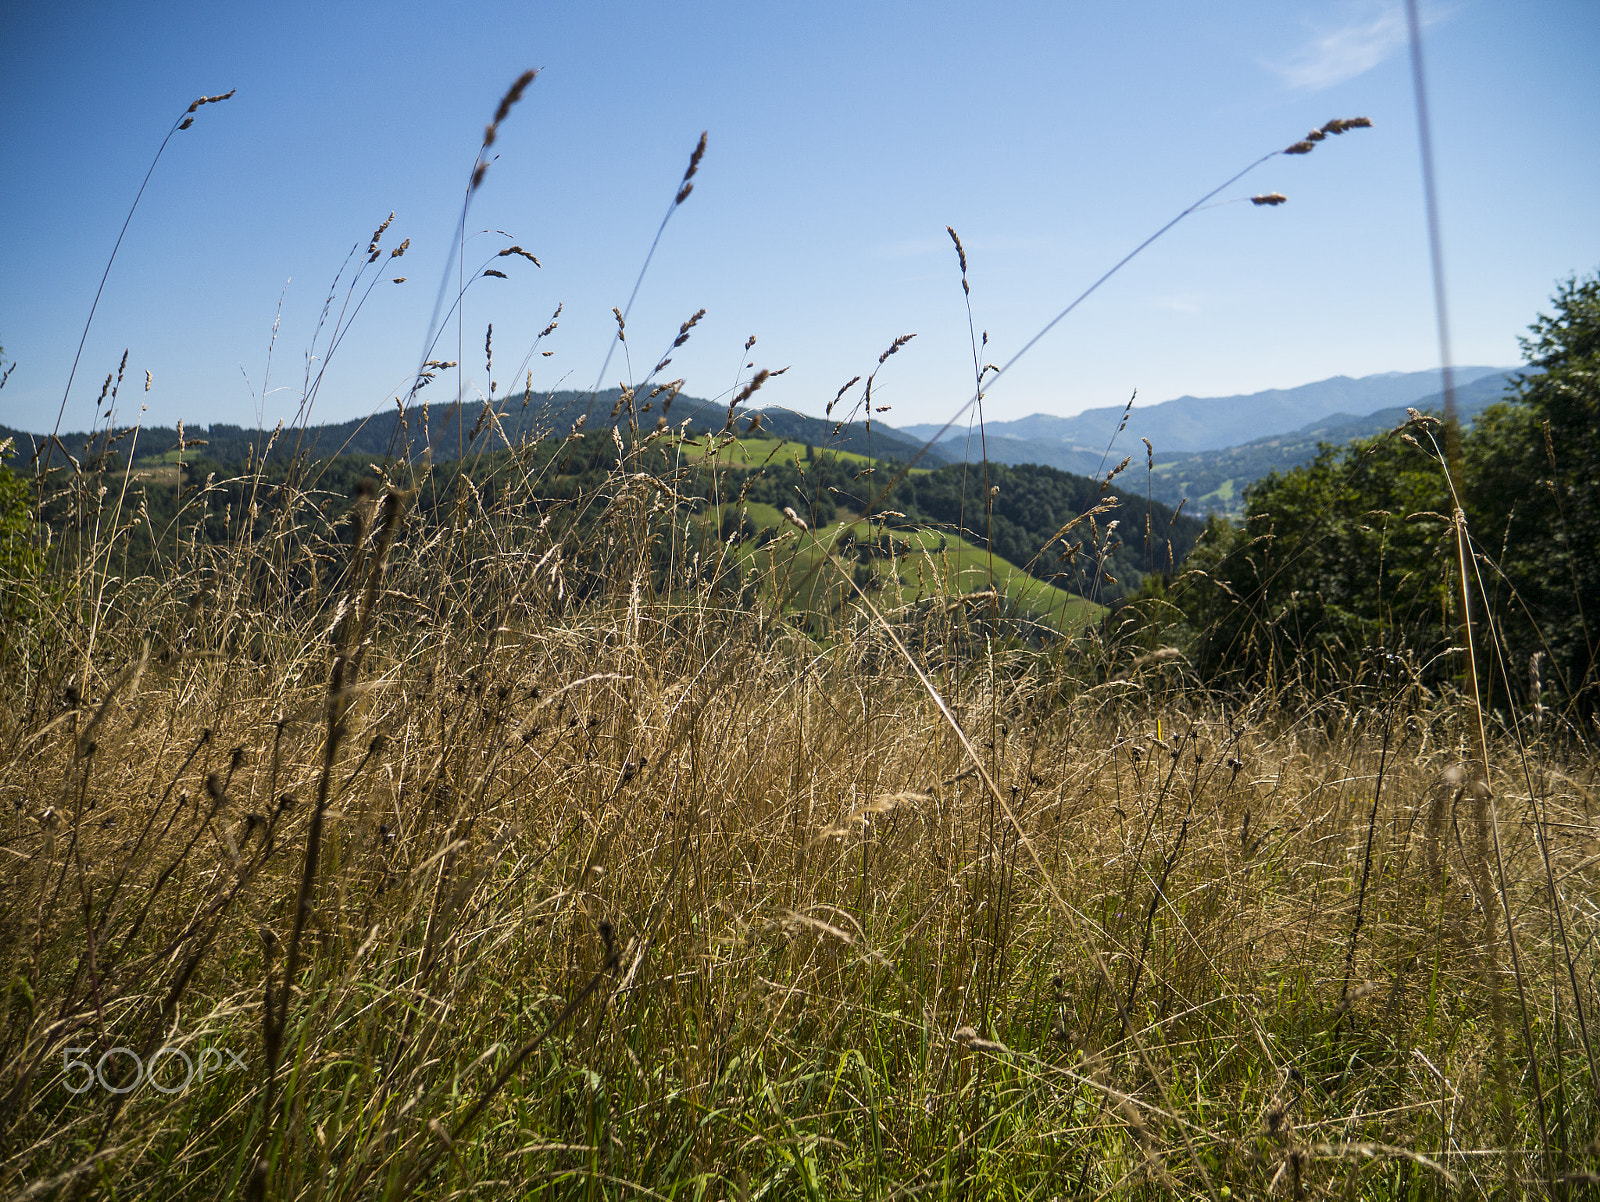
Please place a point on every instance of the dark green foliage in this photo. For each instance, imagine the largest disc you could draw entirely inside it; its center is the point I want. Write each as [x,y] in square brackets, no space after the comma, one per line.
[19,555]
[1023,515]
[1534,467]
[1337,559]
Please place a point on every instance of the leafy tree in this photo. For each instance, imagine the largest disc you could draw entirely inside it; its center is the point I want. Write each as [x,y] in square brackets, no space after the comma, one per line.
[1338,557]
[1533,468]
[17,553]
[19,558]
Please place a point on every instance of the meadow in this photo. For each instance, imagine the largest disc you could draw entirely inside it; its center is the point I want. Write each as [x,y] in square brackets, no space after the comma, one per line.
[554,836]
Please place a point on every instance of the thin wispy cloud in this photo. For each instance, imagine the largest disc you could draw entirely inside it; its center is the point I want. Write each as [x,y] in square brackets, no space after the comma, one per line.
[1342,53]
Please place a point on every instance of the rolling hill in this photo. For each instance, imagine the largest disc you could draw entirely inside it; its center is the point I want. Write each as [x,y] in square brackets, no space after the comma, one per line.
[450,429]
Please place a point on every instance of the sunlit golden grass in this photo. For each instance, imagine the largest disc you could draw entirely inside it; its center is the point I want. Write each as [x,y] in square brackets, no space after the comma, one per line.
[903,903]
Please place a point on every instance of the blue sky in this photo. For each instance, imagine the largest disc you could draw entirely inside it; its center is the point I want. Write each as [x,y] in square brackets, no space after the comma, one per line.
[843,138]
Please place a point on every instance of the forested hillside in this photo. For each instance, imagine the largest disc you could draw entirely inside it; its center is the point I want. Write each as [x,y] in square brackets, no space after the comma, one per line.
[1047,521]
[1072,532]
[452,430]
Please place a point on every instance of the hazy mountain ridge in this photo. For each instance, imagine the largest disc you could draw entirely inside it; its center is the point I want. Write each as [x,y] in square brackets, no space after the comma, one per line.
[1192,424]
[1214,481]
[1063,456]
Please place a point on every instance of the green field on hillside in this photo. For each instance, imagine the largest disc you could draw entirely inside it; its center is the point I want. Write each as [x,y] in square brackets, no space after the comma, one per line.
[923,563]
[757,451]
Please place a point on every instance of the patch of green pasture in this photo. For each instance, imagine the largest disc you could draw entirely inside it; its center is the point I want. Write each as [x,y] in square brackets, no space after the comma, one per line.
[922,564]
[756,451]
[936,564]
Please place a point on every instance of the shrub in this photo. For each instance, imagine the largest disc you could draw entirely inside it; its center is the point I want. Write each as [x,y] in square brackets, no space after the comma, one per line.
[19,557]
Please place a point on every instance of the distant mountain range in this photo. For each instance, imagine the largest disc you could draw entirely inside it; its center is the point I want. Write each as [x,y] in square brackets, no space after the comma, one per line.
[1214,481]
[1210,423]
[1270,431]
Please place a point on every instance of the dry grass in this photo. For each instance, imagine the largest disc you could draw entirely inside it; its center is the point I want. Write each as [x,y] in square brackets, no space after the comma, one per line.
[1100,939]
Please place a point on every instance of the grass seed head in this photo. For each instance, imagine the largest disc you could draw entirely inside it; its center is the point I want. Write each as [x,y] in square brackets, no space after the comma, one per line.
[694,165]
[512,96]
[894,348]
[372,246]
